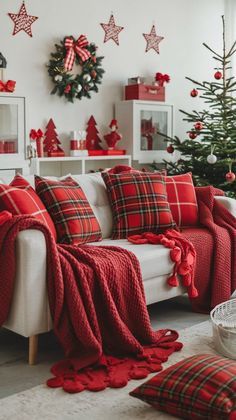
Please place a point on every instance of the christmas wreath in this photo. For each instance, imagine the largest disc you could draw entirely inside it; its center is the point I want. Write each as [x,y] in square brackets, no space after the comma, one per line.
[82,53]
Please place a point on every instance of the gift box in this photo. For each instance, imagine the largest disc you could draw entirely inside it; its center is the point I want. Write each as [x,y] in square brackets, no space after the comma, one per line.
[145,92]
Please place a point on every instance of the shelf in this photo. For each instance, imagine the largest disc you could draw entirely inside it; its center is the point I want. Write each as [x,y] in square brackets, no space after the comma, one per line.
[60,166]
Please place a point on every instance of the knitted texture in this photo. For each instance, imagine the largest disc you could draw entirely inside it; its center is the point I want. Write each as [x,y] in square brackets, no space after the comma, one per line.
[215,245]
[98,307]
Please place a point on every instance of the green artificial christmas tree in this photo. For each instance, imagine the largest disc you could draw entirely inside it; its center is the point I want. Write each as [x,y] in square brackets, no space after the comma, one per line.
[210,150]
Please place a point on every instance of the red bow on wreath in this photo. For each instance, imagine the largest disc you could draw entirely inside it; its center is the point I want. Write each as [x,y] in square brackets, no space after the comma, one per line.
[36,134]
[9,86]
[162,78]
[74,48]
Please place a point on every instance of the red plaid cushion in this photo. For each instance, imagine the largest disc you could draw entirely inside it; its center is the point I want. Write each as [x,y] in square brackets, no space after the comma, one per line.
[139,203]
[182,199]
[201,386]
[70,210]
[20,198]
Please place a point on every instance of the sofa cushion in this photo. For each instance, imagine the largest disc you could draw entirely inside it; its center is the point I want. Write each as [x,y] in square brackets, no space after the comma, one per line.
[20,198]
[199,387]
[154,259]
[139,203]
[182,199]
[69,208]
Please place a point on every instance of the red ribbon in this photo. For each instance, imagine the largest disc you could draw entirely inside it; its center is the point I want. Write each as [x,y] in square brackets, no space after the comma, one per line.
[162,78]
[36,134]
[9,86]
[74,48]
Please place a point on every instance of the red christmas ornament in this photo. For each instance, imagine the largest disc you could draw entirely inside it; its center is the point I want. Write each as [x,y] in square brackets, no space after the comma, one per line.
[194,93]
[230,177]
[92,138]
[111,30]
[67,89]
[218,75]
[198,125]
[192,135]
[113,137]
[170,149]
[51,141]
[153,40]
[22,21]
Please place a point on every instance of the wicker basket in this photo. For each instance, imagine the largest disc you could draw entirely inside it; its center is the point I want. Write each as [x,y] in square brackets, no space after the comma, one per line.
[223,318]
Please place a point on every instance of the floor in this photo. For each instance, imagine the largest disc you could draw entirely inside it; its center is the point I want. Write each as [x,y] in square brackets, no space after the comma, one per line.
[16,375]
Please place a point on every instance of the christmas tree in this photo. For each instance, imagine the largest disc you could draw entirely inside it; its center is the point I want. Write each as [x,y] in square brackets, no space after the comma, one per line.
[92,139]
[51,141]
[210,150]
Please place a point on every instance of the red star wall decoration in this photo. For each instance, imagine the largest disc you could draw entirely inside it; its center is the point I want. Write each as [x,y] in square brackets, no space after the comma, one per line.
[153,40]
[111,30]
[22,21]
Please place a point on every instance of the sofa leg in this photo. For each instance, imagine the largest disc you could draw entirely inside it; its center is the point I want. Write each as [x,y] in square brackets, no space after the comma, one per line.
[33,349]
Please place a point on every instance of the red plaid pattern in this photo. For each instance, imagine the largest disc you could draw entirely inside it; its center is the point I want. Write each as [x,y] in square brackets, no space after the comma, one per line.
[182,199]
[20,198]
[69,208]
[201,386]
[139,203]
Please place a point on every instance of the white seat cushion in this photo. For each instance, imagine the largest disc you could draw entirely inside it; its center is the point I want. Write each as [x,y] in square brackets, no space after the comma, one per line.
[154,259]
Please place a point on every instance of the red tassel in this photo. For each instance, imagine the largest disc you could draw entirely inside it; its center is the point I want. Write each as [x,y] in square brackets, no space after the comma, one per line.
[175,254]
[173,281]
[183,268]
[186,280]
[55,382]
[193,293]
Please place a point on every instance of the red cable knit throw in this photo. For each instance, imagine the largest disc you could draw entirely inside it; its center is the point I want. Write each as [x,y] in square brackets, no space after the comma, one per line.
[98,308]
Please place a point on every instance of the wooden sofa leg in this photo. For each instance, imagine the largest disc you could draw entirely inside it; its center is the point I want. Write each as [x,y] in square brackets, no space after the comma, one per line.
[33,349]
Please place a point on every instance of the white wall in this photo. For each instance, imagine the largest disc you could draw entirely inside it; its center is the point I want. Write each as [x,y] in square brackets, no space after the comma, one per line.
[185,24]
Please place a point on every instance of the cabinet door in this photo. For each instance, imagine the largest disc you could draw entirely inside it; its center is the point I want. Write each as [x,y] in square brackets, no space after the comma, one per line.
[152,123]
[12,131]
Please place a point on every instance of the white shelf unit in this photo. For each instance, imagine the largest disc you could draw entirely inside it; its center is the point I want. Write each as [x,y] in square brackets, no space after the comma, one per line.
[59,166]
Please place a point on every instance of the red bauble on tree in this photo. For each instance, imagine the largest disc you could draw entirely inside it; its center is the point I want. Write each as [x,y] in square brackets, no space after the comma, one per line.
[230,177]
[218,75]
[194,93]
[170,149]
[51,141]
[92,138]
[198,125]
[192,135]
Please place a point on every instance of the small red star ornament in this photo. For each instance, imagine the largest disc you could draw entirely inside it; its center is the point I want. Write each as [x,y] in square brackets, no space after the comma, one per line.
[111,30]
[22,21]
[153,40]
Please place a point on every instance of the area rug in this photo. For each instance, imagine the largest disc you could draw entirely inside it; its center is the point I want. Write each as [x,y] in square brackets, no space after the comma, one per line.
[41,402]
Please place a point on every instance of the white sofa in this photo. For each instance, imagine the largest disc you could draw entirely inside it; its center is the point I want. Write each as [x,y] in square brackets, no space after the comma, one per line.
[30,314]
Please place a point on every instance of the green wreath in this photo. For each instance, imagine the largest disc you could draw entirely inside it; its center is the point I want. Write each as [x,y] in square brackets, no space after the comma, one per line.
[82,53]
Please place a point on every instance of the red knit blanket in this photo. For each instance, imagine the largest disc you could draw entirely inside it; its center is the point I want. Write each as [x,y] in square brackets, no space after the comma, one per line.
[215,276]
[98,308]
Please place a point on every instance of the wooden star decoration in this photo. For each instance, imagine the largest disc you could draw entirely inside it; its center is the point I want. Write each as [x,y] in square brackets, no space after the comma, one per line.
[111,30]
[22,21]
[153,40]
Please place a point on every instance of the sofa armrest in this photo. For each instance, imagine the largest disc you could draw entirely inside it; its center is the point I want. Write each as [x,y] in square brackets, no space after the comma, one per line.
[29,314]
[229,203]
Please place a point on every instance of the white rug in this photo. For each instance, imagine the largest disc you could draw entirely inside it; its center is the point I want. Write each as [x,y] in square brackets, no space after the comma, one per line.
[43,403]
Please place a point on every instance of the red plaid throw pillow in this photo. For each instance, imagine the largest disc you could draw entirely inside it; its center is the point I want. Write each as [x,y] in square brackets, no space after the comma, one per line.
[70,210]
[139,203]
[201,386]
[20,198]
[182,199]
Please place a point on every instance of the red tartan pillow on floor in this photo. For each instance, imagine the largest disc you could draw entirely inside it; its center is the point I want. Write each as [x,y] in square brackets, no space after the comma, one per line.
[70,210]
[182,199]
[20,198]
[139,203]
[201,386]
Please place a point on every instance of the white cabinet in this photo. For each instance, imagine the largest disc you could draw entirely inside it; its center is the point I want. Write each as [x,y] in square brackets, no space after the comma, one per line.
[12,132]
[60,166]
[144,125]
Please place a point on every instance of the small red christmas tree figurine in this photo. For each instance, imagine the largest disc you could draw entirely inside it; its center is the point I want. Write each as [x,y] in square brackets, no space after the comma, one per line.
[51,141]
[92,139]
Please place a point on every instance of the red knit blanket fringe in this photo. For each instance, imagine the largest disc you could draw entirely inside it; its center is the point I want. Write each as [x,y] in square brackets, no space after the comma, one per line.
[98,308]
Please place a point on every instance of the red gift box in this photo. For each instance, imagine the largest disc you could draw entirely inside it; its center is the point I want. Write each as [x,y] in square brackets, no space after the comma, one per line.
[145,92]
